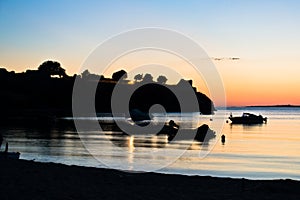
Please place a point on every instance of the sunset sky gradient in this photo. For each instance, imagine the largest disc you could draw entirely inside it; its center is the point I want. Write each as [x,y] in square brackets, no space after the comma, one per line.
[265,35]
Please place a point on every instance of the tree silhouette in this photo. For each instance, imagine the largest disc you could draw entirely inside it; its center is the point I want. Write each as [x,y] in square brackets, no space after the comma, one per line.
[52,68]
[122,74]
[3,71]
[162,79]
[85,74]
[138,77]
[148,78]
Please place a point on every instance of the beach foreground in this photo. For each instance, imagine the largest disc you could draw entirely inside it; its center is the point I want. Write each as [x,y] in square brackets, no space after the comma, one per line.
[20,179]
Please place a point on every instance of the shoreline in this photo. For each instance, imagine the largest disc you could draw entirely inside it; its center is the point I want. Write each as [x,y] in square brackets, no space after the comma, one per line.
[274,106]
[35,180]
[260,106]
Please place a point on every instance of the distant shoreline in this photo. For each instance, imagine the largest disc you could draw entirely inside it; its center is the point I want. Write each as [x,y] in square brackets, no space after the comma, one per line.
[279,106]
[261,106]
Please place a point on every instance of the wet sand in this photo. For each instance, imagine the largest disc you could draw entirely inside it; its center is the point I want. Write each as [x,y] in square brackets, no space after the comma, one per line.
[20,179]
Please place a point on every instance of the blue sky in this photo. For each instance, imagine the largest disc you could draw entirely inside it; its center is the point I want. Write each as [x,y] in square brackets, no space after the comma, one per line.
[264,34]
[224,28]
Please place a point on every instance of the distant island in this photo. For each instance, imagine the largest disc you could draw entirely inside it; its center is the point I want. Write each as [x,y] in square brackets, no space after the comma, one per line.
[45,94]
[283,106]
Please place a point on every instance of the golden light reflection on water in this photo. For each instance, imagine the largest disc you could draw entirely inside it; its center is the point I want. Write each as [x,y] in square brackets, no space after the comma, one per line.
[130,151]
[270,150]
[131,144]
[253,151]
[267,150]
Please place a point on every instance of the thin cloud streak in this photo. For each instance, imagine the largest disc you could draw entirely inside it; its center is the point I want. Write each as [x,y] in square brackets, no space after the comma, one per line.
[225,58]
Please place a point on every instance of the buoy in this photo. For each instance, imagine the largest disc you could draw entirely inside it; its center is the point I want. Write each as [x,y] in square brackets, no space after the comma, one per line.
[223,139]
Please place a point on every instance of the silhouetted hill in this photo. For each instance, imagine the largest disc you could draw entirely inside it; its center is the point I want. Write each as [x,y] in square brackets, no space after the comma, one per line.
[41,95]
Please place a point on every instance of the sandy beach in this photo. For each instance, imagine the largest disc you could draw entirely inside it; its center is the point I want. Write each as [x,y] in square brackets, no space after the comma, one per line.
[22,179]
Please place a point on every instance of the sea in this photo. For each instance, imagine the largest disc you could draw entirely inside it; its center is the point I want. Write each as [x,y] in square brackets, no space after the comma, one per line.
[265,151]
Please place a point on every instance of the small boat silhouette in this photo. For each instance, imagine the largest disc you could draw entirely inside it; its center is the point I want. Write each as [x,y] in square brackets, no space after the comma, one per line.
[11,155]
[248,118]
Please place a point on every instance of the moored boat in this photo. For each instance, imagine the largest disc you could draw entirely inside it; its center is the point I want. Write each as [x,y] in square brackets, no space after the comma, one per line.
[248,118]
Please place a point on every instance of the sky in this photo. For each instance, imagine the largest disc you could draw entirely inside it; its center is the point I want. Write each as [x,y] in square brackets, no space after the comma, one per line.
[264,35]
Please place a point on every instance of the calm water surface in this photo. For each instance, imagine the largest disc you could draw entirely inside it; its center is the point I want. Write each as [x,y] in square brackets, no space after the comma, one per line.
[267,151]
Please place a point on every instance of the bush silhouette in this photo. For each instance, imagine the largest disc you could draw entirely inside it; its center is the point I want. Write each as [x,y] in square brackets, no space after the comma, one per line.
[52,68]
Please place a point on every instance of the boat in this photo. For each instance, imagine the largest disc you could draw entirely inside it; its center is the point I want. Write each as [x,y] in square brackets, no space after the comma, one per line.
[248,118]
[9,155]
[201,134]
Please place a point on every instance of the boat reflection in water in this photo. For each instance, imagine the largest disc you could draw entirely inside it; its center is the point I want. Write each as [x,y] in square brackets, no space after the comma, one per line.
[167,135]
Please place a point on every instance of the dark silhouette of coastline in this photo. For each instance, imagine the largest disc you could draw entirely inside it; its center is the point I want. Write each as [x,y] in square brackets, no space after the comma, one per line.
[43,95]
[274,106]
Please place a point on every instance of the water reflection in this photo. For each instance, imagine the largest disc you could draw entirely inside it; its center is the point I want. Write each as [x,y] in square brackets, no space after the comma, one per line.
[132,141]
[198,136]
[247,128]
[261,151]
[111,146]
[63,140]
[43,141]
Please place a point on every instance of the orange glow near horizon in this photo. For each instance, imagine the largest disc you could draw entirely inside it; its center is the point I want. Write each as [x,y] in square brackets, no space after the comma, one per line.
[246,81]
[158,63]
[260,82]
[244,84]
